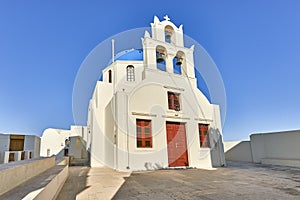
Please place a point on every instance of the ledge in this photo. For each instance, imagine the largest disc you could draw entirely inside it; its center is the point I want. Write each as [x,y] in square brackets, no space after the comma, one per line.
[46,185]
[15,173]
[282,162]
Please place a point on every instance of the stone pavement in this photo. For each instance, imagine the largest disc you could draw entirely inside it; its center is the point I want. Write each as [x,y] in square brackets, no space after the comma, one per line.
[85,183]
[237,181]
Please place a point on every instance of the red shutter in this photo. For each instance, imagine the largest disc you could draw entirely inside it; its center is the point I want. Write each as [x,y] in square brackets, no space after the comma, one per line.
[173,101]
[203,135]
[144,133]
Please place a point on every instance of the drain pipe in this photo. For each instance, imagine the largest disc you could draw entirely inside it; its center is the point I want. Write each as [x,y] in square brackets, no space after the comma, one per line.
[127,127]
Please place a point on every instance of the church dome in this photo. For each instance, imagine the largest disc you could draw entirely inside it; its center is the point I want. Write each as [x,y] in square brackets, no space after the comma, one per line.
[129,54]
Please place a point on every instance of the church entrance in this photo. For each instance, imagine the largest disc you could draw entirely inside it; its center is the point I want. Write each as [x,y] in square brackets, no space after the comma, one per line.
[176,141]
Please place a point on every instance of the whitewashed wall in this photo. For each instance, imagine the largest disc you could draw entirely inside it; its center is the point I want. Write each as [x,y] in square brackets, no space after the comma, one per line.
[4,146]
[54,139]
[278,148]
[278,145]
[238,151]
[150,97]
[4,142]
[32,143]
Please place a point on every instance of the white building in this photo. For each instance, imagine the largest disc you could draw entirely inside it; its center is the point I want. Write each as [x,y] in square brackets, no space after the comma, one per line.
[15,147]
[148,113]
[61,142]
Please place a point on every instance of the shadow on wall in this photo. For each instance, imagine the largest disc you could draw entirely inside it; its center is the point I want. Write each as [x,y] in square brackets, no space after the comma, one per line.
[238,151]
[217,148]
[150,166]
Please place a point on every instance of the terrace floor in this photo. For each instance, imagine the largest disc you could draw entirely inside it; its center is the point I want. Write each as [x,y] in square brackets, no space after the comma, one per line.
[236,181]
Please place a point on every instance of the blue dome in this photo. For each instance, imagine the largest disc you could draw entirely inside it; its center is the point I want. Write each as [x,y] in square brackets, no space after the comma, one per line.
[130,54]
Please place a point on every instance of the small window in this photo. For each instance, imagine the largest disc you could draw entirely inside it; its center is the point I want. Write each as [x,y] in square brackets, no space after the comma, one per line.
[130,73]
[109,76]
[143,133]
[204,136]
[173,101]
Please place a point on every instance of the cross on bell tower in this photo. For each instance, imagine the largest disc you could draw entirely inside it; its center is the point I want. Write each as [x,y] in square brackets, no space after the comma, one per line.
[166,18]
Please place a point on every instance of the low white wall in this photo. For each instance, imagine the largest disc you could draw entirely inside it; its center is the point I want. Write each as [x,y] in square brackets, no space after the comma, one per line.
[13,174]
[284,162]
[278,145]
[278,148]
[53,188]
[238,151]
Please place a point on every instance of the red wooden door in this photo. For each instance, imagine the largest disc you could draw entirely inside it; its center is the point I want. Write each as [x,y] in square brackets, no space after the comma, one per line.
[176,139]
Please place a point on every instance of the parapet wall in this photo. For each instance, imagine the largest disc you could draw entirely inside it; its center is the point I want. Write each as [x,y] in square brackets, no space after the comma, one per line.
[278,148]
[238,151]
[279,145]
[16,173]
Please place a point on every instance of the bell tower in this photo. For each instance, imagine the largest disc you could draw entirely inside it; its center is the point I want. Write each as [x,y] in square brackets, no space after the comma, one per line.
[166,47]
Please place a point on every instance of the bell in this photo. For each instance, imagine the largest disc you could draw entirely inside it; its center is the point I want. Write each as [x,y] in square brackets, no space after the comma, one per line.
[179,61]
[160,57]
[168,34]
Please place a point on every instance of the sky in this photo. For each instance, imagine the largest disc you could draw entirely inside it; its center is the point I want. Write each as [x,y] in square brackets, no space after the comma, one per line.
[255,45]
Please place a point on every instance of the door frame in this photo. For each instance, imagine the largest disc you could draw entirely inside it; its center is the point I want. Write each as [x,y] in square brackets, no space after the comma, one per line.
[186,145]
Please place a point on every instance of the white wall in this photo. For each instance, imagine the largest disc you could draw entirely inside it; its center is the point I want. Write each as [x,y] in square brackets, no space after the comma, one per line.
[100,152]
[238,151]
[150,97]
[77,148]
[4,142]
[54,140]
[278,148]
[4,146]
[37,147]
[278,145]
[13,174]
[32,143]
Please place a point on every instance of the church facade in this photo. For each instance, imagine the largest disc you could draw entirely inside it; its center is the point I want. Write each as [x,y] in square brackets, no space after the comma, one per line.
[148,113]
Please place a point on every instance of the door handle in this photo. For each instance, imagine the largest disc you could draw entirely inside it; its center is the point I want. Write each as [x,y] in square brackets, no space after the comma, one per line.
[176,145]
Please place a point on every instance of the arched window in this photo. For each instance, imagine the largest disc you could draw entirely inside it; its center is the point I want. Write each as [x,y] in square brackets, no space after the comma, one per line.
[109,76]
[169,34]
[179,63]
[130,73]
[160,58]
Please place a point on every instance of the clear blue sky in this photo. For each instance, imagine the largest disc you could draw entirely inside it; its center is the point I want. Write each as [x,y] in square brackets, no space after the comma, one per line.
[255,44]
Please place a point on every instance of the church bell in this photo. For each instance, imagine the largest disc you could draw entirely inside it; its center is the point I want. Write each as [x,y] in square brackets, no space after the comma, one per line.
[168,35]
[160,57]
[179,61]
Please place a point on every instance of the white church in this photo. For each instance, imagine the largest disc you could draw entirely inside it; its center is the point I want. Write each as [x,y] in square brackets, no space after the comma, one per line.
[148,113]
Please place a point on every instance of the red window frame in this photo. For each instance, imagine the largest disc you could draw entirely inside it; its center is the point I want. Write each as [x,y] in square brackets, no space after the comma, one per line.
[143,133]
[204,135]
[173,101]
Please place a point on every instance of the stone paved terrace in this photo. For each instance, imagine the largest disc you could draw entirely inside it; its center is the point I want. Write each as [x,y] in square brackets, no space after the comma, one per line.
[236,181]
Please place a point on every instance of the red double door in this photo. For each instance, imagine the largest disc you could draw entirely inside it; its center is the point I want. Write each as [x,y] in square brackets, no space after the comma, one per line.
[177,148]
